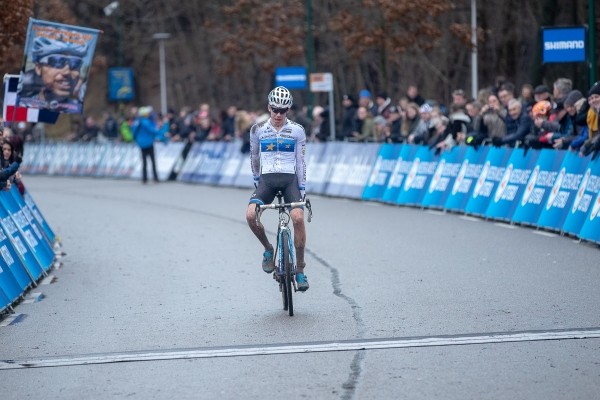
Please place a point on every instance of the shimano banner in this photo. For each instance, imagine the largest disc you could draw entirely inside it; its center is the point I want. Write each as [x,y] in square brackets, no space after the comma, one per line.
[563,45]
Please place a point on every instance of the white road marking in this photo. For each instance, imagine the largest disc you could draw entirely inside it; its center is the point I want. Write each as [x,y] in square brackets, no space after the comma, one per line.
[295,348]
[544,233]
[435,212]
[503,225]
[467,218]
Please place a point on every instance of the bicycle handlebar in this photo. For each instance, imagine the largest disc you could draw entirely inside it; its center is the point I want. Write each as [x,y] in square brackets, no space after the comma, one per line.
[277,206]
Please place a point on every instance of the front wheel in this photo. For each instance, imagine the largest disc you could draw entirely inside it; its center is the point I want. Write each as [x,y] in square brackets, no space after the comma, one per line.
[287,274]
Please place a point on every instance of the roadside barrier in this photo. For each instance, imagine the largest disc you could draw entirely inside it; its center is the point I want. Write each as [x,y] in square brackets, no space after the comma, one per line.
[554,190]
[27,250]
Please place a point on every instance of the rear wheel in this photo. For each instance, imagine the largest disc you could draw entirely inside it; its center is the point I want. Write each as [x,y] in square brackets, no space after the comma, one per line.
[287,274]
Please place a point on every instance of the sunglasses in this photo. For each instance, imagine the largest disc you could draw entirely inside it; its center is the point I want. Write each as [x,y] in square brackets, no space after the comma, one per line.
[279,110]
[74,63]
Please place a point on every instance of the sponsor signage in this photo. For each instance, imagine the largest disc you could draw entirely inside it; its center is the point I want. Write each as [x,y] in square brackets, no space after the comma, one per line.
[582,217]
[563,45]
[491,174]
[444,177]
[401,169]
[540,183]
[563,191]
[291,77]
[420,174]
[381,171]
[468,174]
[512,185]
[120,84]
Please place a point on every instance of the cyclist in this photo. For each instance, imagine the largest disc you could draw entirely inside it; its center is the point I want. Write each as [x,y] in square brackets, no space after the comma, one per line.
[277,159]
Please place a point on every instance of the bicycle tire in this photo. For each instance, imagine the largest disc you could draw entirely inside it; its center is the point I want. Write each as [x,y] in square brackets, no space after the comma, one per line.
[287,272]
[281,275]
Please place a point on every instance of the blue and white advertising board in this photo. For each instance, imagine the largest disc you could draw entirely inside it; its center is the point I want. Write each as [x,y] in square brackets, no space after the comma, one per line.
[563,193]
[584,199]
[512,185]
[444,177]
[381,171]
[418,177]
[401,169]
[538,187]
[468,174]
[564,44]
[491,175]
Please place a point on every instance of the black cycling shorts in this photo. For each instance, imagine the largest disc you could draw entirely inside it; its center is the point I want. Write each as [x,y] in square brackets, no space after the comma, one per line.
[270,184]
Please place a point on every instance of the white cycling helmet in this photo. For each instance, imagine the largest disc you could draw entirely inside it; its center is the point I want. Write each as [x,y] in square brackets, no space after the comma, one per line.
[280,97]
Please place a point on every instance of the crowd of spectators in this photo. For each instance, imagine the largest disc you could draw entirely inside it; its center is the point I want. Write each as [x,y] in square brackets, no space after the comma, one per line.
[559,117]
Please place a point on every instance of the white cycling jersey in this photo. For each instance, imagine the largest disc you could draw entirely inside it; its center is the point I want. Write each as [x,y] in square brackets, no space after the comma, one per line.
[278,152]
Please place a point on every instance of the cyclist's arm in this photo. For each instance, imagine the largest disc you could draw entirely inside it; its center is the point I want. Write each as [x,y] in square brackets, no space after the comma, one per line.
[300,164]
[255,153]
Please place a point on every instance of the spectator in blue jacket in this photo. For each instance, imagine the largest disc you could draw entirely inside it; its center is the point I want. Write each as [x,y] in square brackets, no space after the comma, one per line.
[146,131]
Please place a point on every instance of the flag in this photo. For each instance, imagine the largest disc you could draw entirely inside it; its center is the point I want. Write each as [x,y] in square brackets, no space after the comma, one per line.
[56,66]
[13,113]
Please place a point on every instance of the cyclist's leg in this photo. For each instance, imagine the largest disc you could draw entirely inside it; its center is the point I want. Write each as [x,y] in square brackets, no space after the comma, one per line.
[291,194]
[262,195]
[297,215]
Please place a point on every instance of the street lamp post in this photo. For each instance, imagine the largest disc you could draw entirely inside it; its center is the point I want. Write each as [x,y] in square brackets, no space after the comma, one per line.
[161,37]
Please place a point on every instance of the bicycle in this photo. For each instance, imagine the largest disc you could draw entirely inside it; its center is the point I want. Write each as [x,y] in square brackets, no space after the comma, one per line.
[285,270]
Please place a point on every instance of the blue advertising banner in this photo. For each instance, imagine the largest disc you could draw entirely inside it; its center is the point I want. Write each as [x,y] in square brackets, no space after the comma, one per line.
[491,175]
[468,174]
[584,199]
[34,238]
[232,161]
[563,193]
[361,163]
[418,177]
[192,162]
[8,283]
[30,158]
[591,227]
[564,44]
[402,167]
[317,166]
[13,260]
[120,84]
[444,177]
[512,185]
[35,211]
[381,171]
[538,186]
[339,154]
[30,260]
[49,49]
[291,77]
[212,160]
[112,160]
[4,300]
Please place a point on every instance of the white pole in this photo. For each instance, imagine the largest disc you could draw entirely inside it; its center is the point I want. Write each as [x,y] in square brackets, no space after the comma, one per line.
[163,80]
[474,76]
[331,115]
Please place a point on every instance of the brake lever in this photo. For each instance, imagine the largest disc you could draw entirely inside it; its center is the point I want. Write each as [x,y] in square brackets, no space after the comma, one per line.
[309,209]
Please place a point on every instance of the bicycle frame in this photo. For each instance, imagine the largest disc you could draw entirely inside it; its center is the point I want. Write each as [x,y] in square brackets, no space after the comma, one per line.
[285,277]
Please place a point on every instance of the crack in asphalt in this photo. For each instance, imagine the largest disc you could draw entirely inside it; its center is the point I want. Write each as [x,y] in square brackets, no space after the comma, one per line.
[356,366]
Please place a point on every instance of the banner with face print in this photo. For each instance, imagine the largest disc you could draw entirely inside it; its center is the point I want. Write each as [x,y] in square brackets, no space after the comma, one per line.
[56,66]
